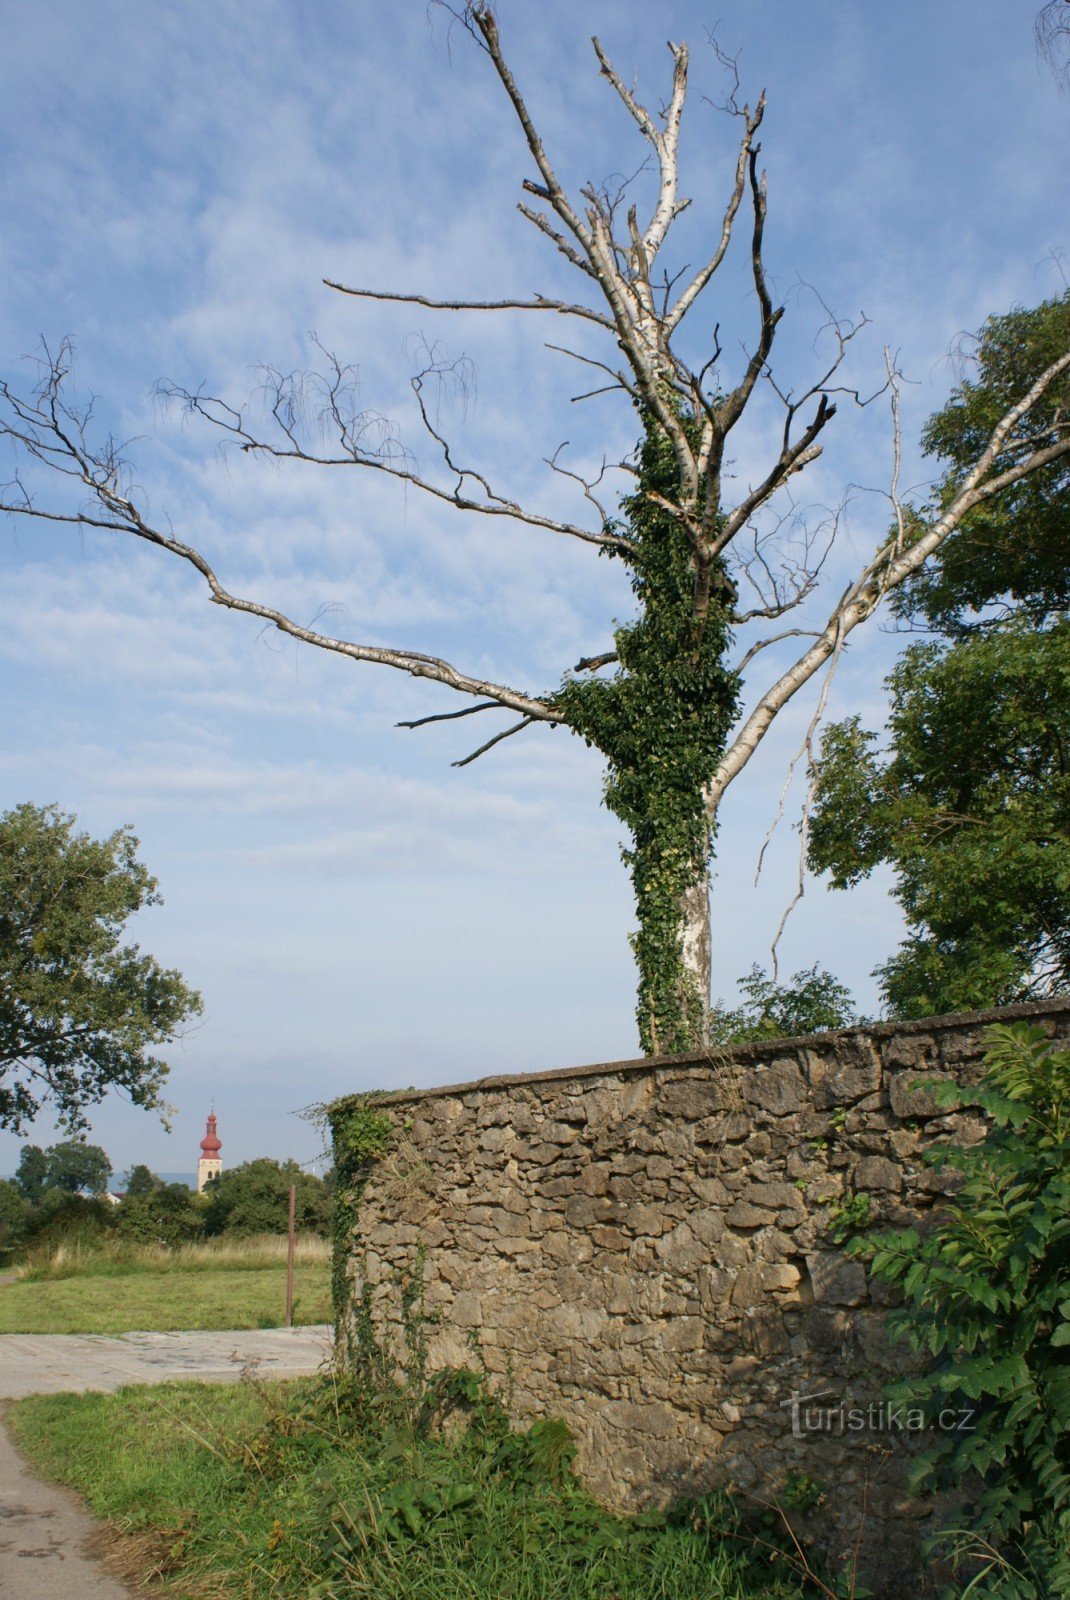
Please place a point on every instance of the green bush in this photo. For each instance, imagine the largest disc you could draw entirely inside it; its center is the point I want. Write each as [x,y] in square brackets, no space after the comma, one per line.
[255,1197]
[14,1216]
[812,1001]
[166,1213]
[987,1300]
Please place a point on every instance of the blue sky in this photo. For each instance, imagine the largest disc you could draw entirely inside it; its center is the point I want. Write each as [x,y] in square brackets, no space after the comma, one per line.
[176,180]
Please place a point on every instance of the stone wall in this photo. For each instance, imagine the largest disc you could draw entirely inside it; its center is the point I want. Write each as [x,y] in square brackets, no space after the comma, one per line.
[645,1248]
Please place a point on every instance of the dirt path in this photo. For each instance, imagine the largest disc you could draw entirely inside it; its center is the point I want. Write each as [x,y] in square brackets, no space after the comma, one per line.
[43,1533]
[43,1528]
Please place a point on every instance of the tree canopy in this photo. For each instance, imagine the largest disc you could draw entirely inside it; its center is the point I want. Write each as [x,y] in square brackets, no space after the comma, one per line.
[255,1198]
[79,1010]
[812,1001]
[71,1167]
[970,801]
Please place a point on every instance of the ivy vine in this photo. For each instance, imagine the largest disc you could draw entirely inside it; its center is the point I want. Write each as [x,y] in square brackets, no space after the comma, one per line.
[360,1135]
[662,722]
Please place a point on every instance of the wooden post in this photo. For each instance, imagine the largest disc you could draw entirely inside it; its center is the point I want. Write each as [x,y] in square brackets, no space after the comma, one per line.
[290,1261]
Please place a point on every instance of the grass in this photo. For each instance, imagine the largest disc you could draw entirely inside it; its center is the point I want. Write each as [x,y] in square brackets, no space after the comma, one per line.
[116,1287]
[300,1489]
[107,1257]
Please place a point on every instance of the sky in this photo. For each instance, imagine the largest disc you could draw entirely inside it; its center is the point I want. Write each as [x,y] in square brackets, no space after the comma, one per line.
[176,181]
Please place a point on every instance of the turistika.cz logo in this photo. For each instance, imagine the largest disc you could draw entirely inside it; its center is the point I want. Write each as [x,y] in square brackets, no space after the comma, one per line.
[824,1412]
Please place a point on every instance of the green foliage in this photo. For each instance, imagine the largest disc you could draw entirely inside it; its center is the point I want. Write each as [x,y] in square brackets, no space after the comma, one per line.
[810,1002]
[430,1496]
[78,1010]
[165,1214]
[14,1216]
[140,1181]
[1010,553]
[662,721]
[987,1301]
[75,1167]
[971,803]
[972,808]
[255,1198]
[848,1217]
[360,1134]
[32,1172]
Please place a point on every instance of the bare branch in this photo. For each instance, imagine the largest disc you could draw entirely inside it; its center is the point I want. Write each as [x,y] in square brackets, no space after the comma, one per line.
[689,295]
[363,439]
[1052,32]
[451,716]
[889,568]
[507,733]
[49,428]
[536,303]
[593,663]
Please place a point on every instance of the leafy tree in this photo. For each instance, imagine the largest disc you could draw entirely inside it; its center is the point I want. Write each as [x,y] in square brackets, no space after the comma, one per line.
[78,1009]
[811,1002]
[75,1167]
[14,1215]
[1008,559]
[255,1198]
[140,1181]
[670,715]
[162,1213]
[970,804]
[31,1175]
[986,1302]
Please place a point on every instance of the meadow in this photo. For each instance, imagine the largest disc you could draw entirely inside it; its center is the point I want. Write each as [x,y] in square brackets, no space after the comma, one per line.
[107,1286]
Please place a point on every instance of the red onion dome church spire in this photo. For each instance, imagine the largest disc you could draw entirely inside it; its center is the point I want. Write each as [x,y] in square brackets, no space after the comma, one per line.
[210,1165]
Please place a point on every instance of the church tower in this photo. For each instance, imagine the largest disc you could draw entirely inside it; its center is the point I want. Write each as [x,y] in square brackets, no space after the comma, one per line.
[210,1164]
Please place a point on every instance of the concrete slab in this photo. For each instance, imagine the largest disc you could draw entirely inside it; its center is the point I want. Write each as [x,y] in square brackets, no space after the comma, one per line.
[56,1363]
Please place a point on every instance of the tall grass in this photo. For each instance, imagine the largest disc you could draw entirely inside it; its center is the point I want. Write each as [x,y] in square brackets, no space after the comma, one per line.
[91,1254]
[285,1492]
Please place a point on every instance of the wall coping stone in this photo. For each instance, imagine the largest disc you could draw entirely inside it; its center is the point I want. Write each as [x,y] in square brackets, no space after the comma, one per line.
[720,1055]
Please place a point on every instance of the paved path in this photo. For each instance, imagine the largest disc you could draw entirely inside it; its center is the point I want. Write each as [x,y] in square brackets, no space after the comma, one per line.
[43,1529]
[53,1363]
[43,1532]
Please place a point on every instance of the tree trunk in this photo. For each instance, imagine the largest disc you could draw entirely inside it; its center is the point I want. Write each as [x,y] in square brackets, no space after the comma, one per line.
[695,951]
[672,950]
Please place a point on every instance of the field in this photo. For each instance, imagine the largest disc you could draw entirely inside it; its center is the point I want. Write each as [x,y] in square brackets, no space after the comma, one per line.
[115,1288]
[310,1488]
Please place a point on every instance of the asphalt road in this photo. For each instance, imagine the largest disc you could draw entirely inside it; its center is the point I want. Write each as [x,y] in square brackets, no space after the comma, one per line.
[44,1529]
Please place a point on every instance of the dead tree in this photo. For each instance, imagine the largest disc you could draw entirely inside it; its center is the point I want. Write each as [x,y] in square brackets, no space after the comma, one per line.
[663,702]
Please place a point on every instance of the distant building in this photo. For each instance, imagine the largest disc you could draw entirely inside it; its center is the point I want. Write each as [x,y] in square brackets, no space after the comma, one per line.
[210,1165]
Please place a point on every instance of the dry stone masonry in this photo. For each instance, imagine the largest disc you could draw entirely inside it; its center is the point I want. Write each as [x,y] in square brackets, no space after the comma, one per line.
[648,1249]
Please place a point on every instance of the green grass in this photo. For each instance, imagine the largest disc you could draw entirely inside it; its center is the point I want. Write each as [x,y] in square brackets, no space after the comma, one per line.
[82,1254]
[120,1288]
[162,1301]
[301,1491]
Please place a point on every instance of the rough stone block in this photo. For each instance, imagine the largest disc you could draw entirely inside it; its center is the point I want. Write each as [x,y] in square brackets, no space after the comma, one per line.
[839,1082]
[680,1250]
[744,1215]
[835,1280]
[877,1172]
[781,1277]
[909,1099]
[779,1088]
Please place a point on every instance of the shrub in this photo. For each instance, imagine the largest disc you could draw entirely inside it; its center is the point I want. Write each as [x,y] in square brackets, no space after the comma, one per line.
[811,1002]
[987,1298]
[166,1213]
[255,1197]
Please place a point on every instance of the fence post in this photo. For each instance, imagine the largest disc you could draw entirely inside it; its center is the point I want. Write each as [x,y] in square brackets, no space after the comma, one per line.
[290,1260]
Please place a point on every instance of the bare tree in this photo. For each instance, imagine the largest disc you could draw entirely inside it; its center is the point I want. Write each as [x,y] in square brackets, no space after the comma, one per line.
[663,704]
[1052,29]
